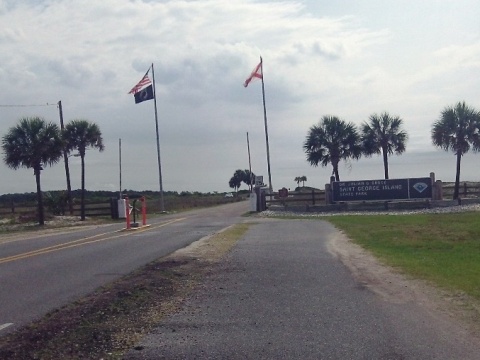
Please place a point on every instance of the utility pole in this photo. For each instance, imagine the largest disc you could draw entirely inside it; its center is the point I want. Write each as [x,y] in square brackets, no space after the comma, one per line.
[65,159]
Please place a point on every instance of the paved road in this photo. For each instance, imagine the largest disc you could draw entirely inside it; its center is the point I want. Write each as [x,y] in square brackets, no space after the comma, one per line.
[41,273]
[281,295]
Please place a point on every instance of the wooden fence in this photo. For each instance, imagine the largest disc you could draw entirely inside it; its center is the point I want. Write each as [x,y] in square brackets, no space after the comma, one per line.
[102,208]
[466,190]
[297,198]
[94,209]
[314,197]
[105,207]
[17,209]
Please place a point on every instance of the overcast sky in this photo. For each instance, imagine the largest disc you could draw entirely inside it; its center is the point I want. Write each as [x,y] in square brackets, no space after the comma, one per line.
[345,58]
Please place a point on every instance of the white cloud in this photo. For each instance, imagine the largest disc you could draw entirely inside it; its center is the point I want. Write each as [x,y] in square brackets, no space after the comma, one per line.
[319,59]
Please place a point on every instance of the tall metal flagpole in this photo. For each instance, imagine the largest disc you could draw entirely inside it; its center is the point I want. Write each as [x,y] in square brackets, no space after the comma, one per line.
[266,129]
[250,164]
[120,165]
[162,206]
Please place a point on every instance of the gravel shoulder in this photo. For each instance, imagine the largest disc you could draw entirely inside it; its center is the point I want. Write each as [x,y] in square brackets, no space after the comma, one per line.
[113,320]
[457,309]
[393,286]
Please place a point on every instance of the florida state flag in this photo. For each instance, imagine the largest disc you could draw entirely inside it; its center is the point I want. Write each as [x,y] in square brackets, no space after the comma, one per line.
[256,73]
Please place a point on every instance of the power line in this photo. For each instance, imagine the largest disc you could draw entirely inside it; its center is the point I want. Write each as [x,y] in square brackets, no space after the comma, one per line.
[31,105]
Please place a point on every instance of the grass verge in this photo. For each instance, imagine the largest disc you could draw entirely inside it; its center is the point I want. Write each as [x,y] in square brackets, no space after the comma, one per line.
[441,248]
[109,322]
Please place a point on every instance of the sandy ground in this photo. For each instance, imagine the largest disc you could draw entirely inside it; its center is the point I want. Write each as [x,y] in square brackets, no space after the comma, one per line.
[456,310]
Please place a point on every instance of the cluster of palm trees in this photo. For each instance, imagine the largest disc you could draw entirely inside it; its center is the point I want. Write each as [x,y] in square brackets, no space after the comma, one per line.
[334,140]
[240,176]
[300,179]
[35,143]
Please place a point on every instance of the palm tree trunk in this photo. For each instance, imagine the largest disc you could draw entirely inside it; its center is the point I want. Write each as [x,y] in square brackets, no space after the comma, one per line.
[385,162]
[457,177]
[82,198]
[41,218]
[335,171]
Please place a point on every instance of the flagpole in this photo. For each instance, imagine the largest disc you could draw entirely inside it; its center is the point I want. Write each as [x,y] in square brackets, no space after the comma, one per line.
[120,166]
[162,206]
[250,164]
[266,129]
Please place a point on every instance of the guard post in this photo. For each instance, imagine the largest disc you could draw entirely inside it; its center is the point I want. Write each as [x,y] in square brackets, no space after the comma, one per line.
[260,194]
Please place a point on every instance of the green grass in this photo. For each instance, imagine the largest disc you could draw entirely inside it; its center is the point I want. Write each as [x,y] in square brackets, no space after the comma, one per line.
[441,248]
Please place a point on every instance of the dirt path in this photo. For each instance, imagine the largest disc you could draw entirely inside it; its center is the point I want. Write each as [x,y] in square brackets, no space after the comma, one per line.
[457,310]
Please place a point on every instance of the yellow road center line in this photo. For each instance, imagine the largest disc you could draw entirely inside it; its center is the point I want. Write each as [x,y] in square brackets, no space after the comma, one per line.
[80,242]
[4,326]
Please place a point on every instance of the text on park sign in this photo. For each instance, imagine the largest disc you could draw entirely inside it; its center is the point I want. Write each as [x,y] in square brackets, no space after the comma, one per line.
[394,189]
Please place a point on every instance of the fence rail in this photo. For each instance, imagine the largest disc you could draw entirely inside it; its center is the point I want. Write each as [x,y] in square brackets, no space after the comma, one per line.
[105,207]
[314,197]
[91,209]
[317,197]
[297,198]
[466,190]
[19,209]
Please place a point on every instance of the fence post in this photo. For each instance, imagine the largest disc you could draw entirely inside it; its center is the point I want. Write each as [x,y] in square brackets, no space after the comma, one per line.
[438,190]
[113,213]
[313,197]
[465,189]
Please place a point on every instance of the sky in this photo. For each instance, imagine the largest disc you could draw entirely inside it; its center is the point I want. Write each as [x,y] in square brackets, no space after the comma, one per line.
[349,59]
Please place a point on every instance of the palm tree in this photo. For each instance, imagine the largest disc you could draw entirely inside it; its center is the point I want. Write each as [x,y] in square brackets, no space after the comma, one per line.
[236,180]
[331,141]
[458,130]
[33,143]
[383,134]
[297,180]
[249,179]
[81,135]
[303,178]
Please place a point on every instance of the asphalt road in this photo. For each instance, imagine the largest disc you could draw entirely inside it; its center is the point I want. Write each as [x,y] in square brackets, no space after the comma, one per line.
[39,273]
[281,294]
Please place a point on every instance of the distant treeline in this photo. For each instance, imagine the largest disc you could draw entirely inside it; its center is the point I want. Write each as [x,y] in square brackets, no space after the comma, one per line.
[98,195]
